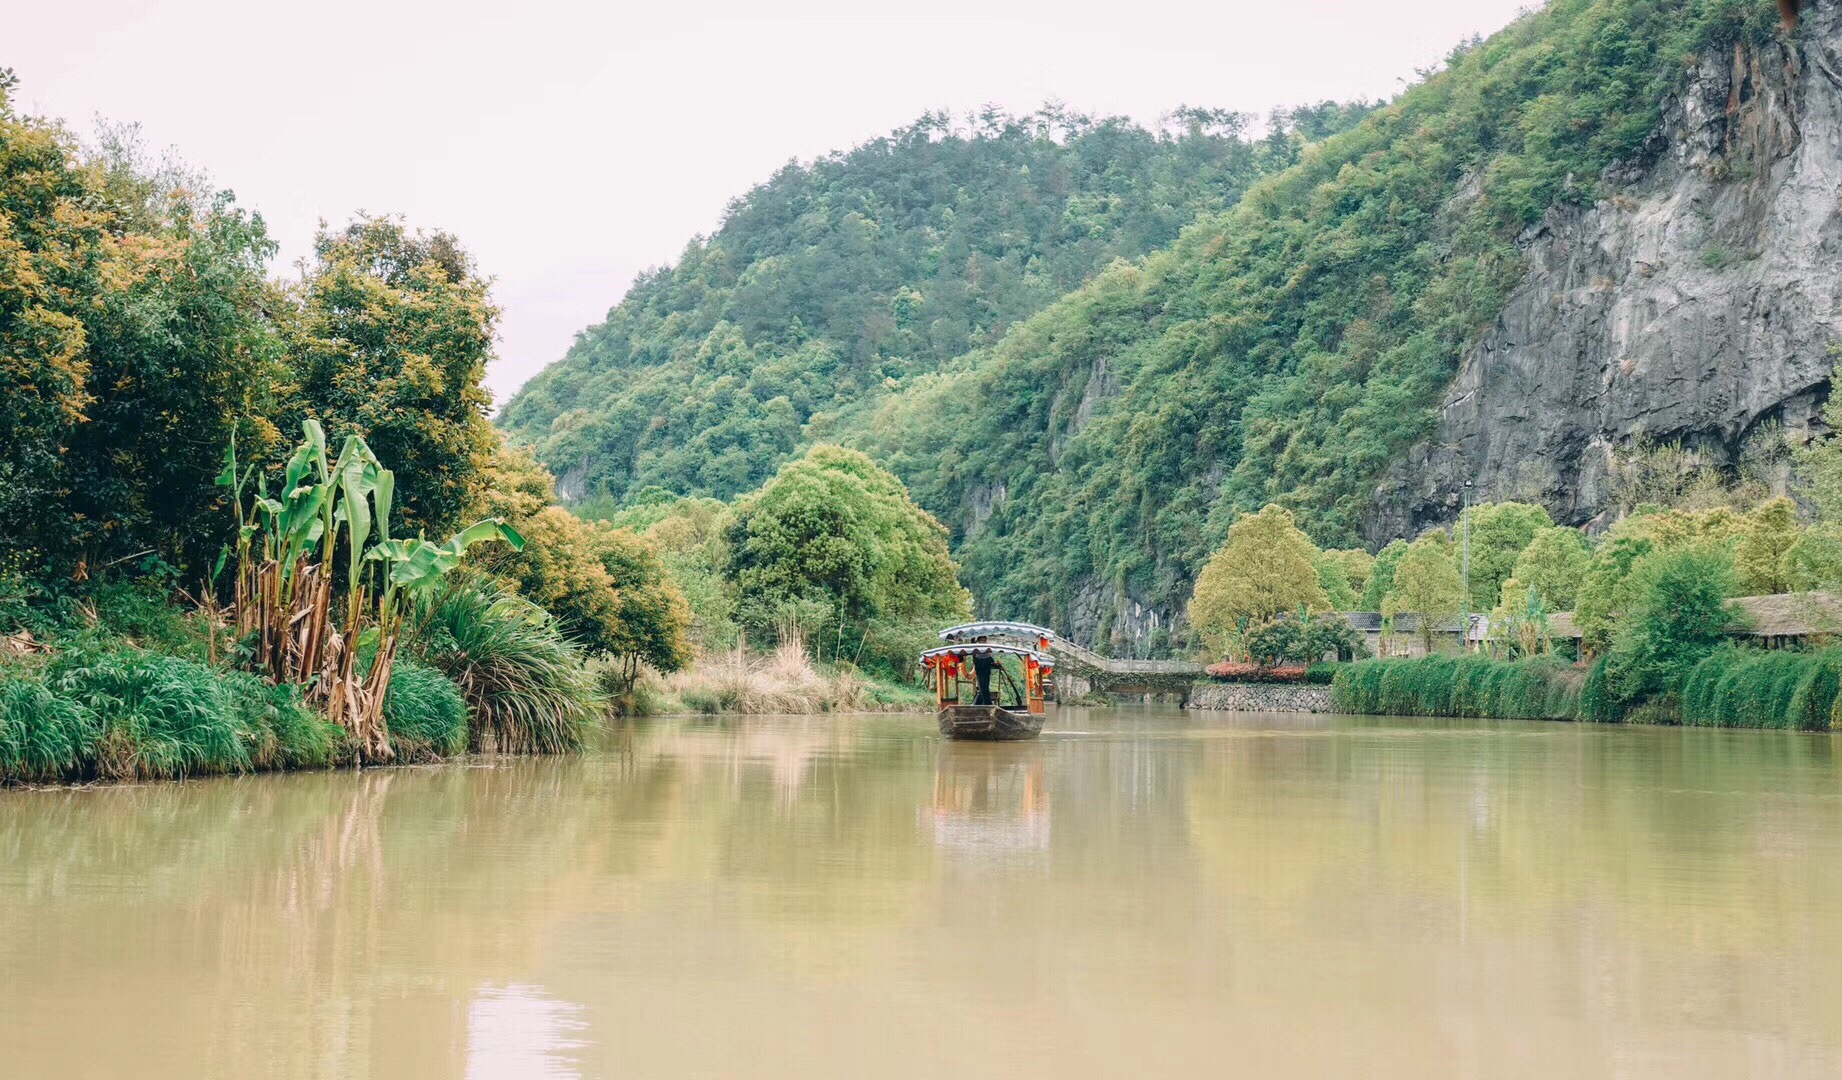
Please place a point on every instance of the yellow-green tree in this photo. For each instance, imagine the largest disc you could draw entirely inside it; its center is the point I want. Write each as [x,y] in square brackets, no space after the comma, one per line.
[1356,564]
[391,340]
[1762,559]
[1499,532]
[1553,564]
[1426,582]
[1266,566]
[607,586]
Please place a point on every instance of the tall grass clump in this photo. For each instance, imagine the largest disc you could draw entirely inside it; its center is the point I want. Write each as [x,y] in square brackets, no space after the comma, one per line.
[528,685]
[161,716]
[784,681]
[43,736]
[1539,688]
[1741,687]
[280,730]
[426,714]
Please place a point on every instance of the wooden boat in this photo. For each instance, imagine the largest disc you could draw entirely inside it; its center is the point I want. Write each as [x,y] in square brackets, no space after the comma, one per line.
[973,655]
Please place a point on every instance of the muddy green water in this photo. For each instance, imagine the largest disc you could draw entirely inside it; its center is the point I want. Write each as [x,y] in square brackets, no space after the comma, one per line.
[1138,893]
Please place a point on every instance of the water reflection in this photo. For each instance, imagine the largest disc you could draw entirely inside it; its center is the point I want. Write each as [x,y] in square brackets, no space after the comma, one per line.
[521,1031]
[1136,892]
[990,801]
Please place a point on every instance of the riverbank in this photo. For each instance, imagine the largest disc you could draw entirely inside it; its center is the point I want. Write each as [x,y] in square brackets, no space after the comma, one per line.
[1733,687]
[1259,697]
[129,687]
[785,680]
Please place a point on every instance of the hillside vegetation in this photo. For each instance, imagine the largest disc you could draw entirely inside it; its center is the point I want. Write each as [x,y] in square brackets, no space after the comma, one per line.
[1286,347]
[1287,350]
[832,284]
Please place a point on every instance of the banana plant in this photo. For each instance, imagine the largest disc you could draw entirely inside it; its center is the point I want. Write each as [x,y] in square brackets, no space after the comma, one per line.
[285,596]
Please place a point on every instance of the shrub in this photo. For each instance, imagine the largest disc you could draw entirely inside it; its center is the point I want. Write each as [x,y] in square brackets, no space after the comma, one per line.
[529,687]
[1741,687]
[1539,688]
[425,713]
[1596,701]
[1236,671]
[281,731]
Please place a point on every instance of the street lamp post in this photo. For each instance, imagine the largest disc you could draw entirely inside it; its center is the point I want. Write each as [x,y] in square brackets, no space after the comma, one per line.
[1464,570]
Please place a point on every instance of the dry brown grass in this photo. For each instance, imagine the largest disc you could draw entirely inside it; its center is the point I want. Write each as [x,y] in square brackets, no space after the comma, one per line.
[782,681]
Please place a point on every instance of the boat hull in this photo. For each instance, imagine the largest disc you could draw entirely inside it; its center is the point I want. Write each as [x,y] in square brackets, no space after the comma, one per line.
[989,723]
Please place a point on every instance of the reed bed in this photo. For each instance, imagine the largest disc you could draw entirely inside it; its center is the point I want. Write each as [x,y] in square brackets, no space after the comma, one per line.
[1539,688]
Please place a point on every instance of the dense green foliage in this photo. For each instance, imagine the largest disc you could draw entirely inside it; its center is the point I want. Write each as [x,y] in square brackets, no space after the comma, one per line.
[1287,350]
[389,341]
[1680,614]
[1538,688]
[831,283]
[833,548]
[166,612]
[524,682]
[426,713]
[102,708]
[1736,687]
[1307,640]
[1499,534]
[131,341]
[608,587]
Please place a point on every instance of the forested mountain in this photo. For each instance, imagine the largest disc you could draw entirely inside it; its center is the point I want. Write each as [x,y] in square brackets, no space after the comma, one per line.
[834,282]
[1295,345]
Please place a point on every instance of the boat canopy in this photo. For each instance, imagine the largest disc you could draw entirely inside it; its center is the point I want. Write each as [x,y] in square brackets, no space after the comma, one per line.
[985,648]
[997,629]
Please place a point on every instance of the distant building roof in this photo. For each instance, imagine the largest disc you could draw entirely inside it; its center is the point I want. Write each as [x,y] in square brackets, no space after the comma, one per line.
[1406,622]
[1798,614]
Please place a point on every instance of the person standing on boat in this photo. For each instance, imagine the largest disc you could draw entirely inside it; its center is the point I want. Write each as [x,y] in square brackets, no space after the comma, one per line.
[981,667]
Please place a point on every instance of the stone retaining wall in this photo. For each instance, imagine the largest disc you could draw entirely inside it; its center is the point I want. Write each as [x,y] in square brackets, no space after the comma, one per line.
[1260,697]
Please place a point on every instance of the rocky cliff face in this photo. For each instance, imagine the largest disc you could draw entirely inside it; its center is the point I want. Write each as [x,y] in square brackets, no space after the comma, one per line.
[1697,302]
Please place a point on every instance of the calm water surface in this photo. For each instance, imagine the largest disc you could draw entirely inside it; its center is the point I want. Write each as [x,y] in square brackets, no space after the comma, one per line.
[1138,893]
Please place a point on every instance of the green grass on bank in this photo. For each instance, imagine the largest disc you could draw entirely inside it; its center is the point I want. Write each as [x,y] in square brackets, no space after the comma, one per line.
[1733,687]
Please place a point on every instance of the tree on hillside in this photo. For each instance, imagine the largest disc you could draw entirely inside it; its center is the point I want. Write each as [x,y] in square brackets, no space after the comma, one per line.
[392,338]
[1604,592]
[1335,581]
[607,586]
[1499,532]
[1819,465]
[1357,564]
[1381,575]
[1266,566]
[1762,559]
[1553,564]
[1426,582]
[833,545]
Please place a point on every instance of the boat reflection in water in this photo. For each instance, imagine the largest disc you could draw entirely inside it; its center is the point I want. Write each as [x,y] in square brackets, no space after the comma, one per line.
[989,800]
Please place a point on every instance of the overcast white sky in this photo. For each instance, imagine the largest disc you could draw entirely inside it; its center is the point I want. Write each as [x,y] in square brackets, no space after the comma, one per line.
[571,145]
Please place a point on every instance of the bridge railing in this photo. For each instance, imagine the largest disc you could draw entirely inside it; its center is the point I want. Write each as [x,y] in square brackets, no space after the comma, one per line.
[1092,659]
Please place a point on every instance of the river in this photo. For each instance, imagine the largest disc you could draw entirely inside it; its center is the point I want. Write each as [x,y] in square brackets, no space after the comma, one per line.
[1140,892]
